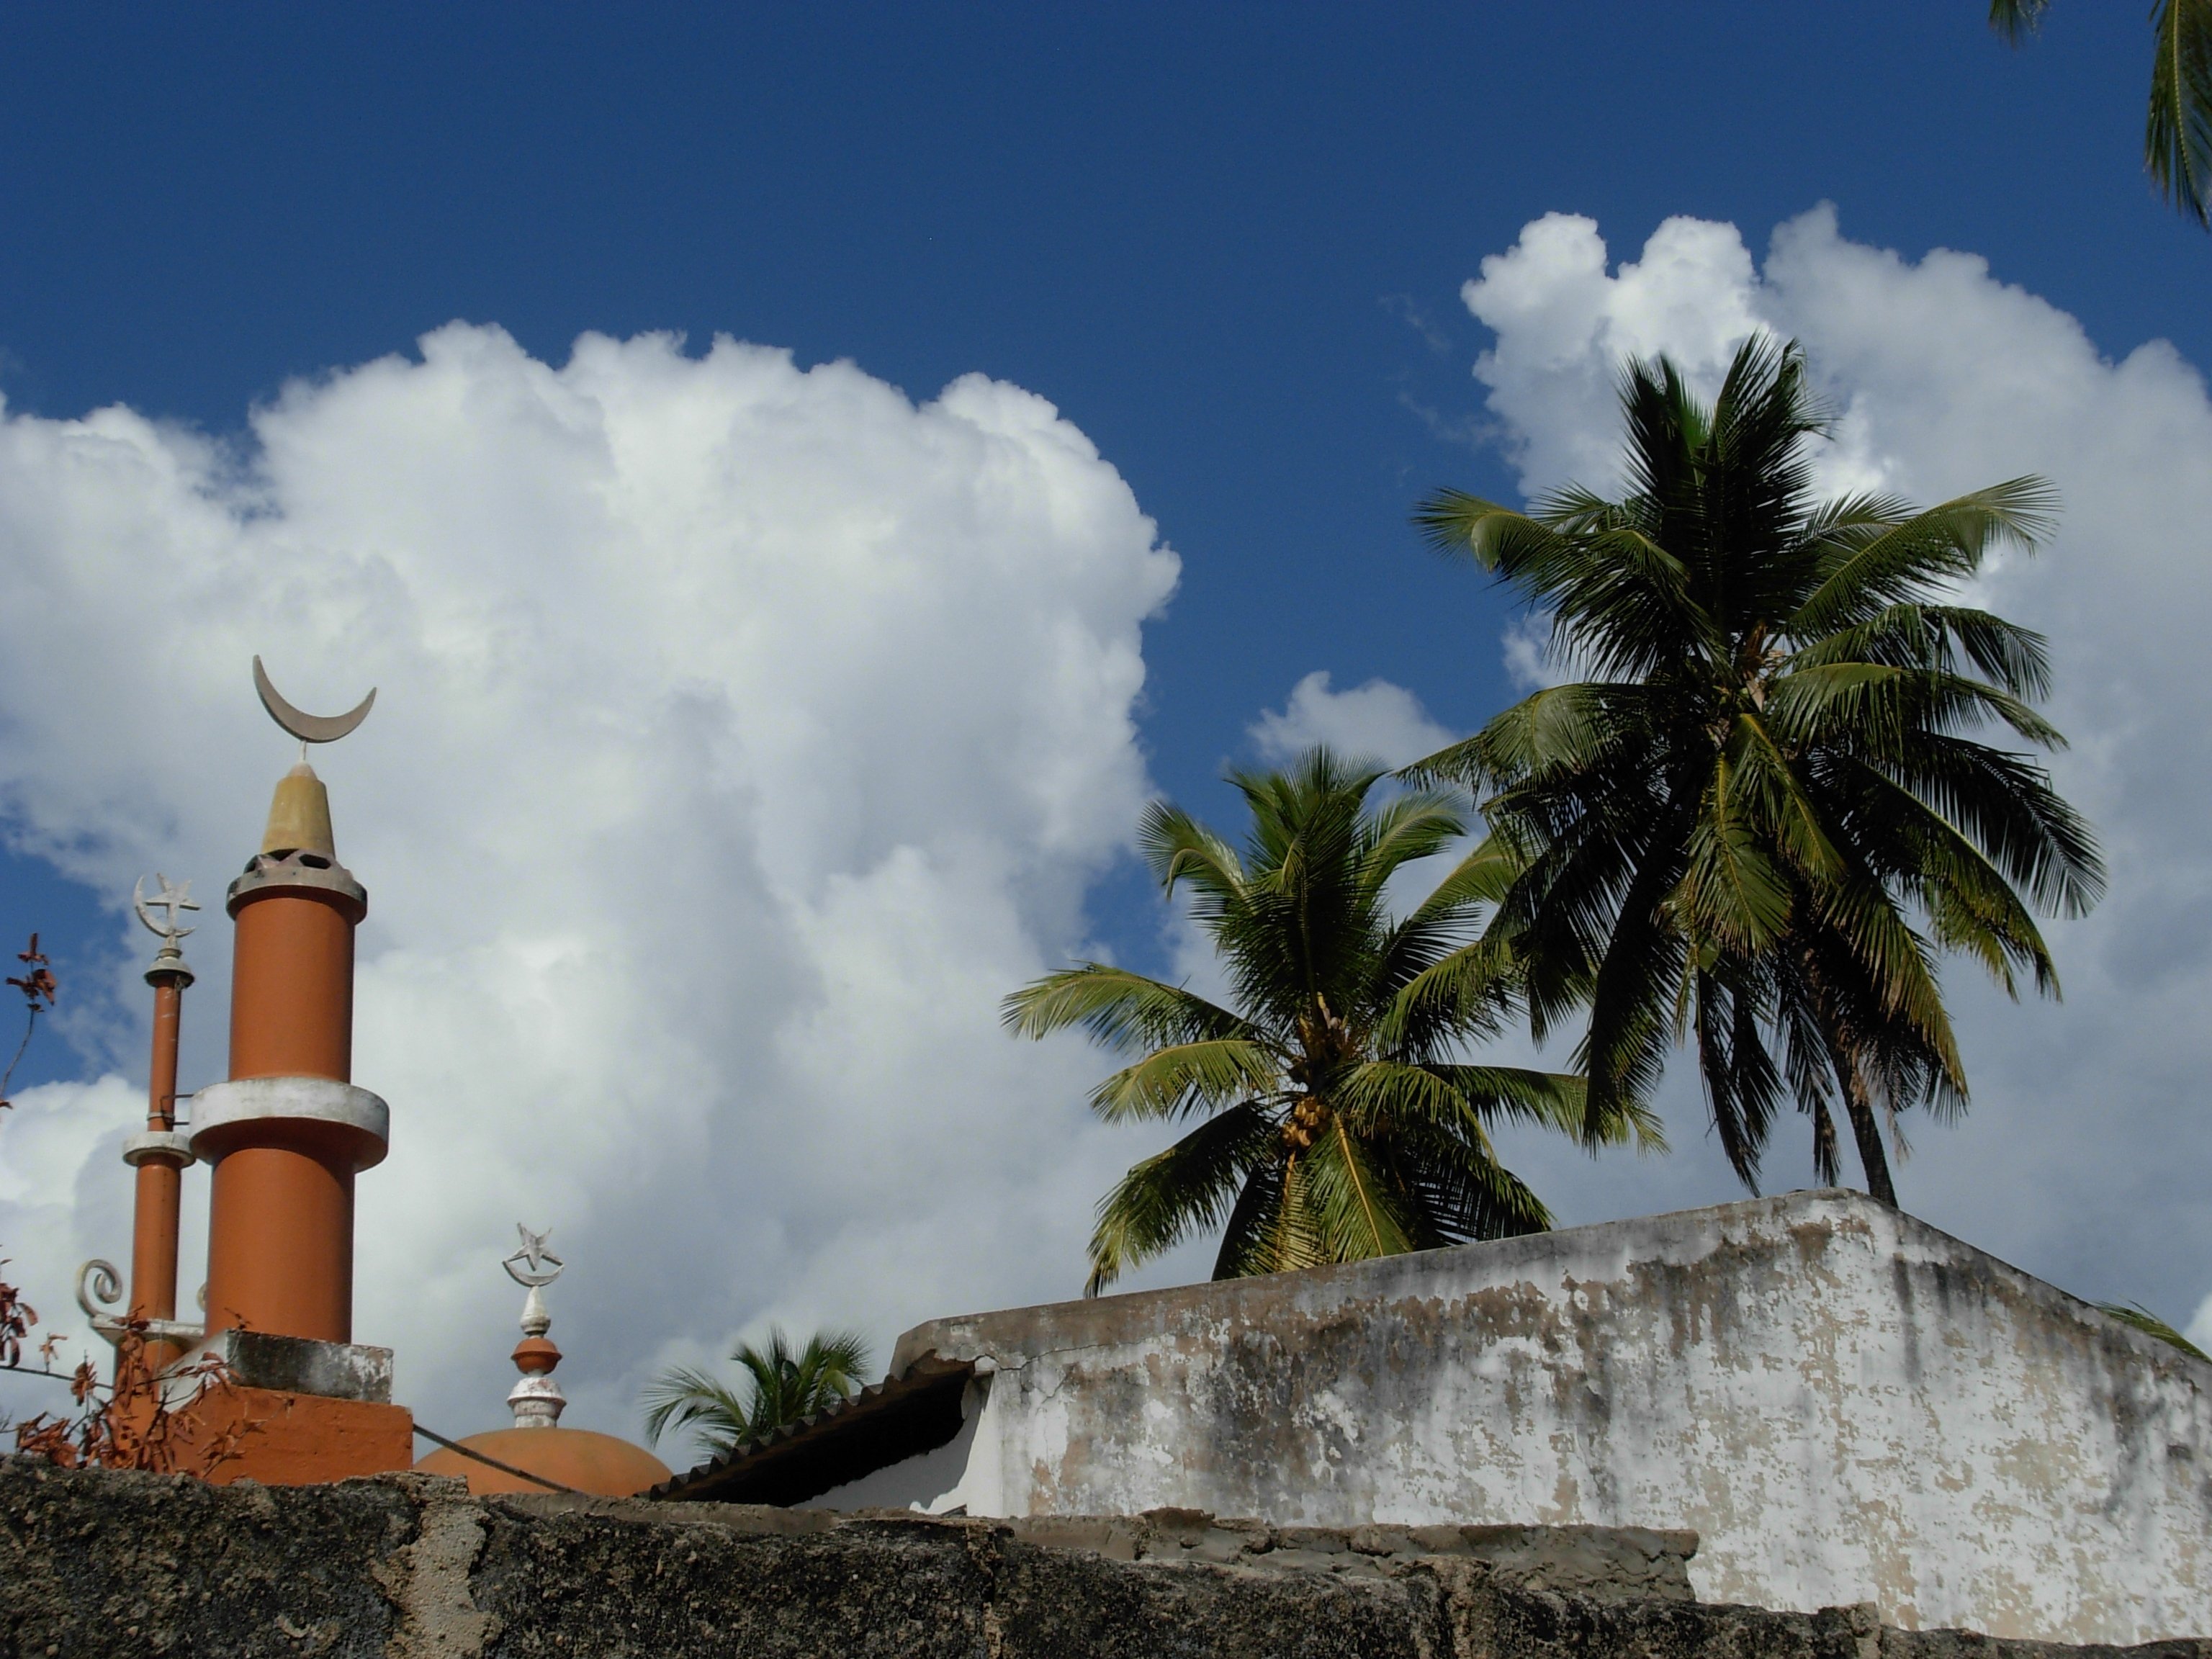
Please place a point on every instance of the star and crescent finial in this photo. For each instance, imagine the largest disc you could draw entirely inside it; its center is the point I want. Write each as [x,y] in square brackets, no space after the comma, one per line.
[528,1266]
[172,902]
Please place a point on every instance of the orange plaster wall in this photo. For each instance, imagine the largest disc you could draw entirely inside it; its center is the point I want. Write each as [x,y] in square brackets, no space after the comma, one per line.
[303,1439]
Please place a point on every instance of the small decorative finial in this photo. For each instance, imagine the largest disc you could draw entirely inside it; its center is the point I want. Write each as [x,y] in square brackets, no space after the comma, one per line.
[537,1400]
[308,728]
[172,902]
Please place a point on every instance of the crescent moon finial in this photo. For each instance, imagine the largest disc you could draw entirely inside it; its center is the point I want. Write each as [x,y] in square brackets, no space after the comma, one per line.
[308,728]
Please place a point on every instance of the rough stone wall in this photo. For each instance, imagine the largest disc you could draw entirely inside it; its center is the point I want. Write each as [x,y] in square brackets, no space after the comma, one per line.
[1844,1404]
[408,1566]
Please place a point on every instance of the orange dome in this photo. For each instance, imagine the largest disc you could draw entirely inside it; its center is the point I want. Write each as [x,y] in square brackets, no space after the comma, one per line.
[595,1463]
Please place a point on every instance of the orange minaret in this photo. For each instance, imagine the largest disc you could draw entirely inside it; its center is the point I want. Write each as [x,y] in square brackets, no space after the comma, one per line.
[161,1154]
[289,1132]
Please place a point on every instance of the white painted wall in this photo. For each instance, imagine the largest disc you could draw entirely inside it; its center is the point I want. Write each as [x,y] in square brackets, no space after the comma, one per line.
[1846,1404]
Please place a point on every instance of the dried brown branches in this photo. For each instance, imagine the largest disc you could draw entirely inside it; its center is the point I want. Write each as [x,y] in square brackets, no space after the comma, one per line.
[141,1420]
[17,1318]
[39,989]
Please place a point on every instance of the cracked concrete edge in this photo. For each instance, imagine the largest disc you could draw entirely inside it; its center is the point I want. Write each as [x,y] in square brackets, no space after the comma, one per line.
[428,1580]
[1601,1561]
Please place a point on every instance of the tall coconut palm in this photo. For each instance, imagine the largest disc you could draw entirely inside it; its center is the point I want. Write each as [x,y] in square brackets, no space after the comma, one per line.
[1761,821]
[2178,132]
[777,1386]
[1338,1117]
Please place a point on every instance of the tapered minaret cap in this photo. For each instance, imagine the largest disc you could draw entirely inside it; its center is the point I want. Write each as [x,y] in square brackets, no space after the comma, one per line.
[300,817]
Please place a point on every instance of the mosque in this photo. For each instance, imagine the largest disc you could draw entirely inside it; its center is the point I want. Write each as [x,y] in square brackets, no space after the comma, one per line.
[285,1137]
[1841,1404]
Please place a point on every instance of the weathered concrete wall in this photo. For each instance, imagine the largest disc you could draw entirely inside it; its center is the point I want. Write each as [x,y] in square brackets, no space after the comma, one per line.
[1844,1404]
[99,1566]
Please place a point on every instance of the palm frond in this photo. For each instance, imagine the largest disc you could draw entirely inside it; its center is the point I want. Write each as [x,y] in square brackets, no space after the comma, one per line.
[1183,1078]
[1462,994]
[1895,962]
[1879,709]
[1182,851]
[779,1387]
[2016,18]
[1464,1194]
[1743,1087]
[2005,805]
[2178,132]
[1865,567]
[1358,1212]
[1464,1099]
[1418,824]
[1771,799]
[1120,1008]
[1185,1189]
[682,1398]
[1730,892]
[2142,1319]
[1251,1236]
[1561,728]
[1485,876]
[1624,1047]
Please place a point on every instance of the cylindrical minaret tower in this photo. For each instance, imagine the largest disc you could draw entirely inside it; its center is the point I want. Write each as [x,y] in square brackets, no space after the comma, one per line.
[160,1155]
[289,1132]
[300,1402]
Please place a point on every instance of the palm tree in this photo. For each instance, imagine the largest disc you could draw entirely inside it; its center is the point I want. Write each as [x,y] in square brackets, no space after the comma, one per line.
[1760,821]
[777,1387]
[2178,134]
[1338,1117]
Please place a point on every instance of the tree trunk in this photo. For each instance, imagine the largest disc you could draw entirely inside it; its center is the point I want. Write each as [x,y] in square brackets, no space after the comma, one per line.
[1827,1168]
[1867,1130]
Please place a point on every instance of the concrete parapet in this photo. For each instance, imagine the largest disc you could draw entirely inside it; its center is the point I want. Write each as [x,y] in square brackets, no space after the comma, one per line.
[94,1564]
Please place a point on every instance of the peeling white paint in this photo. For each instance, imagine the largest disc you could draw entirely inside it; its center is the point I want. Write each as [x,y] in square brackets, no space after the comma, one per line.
[1846,1405]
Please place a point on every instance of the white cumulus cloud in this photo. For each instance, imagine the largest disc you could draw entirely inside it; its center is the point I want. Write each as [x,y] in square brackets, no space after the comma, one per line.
[2085,1153]
[744,734]
[1564,324]
[1376,721]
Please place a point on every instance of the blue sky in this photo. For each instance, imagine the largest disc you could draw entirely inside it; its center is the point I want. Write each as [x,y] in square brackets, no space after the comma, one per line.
[1201,232]
[1228,243]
